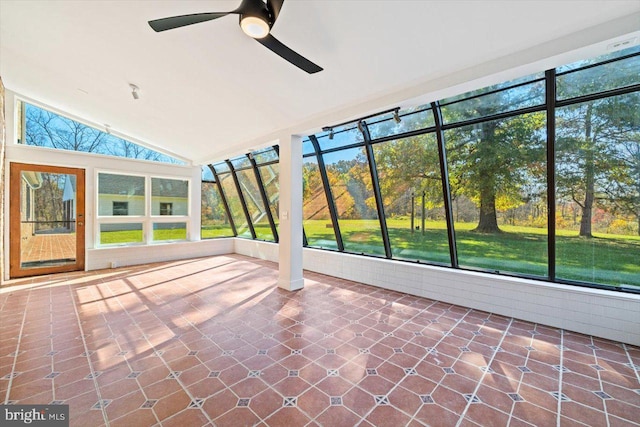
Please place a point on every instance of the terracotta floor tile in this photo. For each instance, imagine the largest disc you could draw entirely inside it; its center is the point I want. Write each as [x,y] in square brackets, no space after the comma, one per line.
[188,417]
[313,402]
[266,403]
[387,416]
[287,417]
[140,417]
[242,351]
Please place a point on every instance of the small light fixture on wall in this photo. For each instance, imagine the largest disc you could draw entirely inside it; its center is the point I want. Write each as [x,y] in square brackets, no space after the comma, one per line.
[135,91]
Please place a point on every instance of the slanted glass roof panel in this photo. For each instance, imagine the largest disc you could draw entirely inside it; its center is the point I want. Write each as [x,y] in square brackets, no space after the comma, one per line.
[265,156]
[207,175]
[307,148]
[241,162]
[411,119]
[341,137]
[516,94]
[221,167]
[600,74]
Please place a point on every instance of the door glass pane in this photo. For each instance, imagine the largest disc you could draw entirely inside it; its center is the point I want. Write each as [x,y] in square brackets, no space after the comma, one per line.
[47,219]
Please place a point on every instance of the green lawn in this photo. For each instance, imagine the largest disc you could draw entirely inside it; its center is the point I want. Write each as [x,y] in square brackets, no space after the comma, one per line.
[135,236]
[607,259]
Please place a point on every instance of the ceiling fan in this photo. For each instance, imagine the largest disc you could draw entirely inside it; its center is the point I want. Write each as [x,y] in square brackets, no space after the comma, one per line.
[256,19]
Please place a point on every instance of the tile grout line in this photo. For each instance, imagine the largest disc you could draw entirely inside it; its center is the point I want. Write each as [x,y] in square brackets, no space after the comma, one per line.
[559,406]
[86,349]
[604,401]
[631,364]
[166,364]
[526,360]
[355,386]
[126,361]
[484,373]
[444,335]
[17,351]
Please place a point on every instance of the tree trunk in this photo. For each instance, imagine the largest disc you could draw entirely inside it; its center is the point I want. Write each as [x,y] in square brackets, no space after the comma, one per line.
[488,222]
[589,196]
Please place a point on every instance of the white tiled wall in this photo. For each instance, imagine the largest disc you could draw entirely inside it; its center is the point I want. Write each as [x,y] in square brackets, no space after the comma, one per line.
[601,313]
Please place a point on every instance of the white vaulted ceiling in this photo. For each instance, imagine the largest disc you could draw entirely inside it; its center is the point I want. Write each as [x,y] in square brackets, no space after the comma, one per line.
[209,91]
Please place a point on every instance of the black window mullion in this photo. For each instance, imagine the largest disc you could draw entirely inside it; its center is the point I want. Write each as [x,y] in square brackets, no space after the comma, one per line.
[375,183]
[264,197]
[446,188]
[224,200]
[242,200]
[327,191]
[551,172]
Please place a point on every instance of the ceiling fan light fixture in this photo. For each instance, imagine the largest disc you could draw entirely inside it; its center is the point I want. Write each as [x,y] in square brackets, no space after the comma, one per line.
[254,27]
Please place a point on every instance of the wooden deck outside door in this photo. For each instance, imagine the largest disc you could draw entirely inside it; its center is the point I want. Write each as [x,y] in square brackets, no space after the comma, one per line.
[46,219]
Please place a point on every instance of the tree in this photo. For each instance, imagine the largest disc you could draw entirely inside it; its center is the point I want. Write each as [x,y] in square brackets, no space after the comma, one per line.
[493,162]
[46,129]
[405,167]
[596,147]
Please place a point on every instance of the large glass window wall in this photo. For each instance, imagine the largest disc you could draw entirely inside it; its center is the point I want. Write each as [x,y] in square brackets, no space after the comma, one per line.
[534,177]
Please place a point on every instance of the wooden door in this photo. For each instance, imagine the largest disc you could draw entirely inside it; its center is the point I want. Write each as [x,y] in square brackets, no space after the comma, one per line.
[46,217]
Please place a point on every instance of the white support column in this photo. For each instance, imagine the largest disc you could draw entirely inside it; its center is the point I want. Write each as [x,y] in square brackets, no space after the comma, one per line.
[290,230]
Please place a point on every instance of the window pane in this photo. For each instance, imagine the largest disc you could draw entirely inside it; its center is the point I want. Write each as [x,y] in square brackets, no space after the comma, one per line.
[409,174]
[253,199]
[241,162]
[486,102]
[169,231]
[213,221]
[207,175]
[598,191]
[235,205]
[43,128]
[221,167]
[117,191]
[341,137]
[307,147]
[266,155]
[315,212]
[270,179]
[410,120]
[608,76]
[114,234]
[169,196]
[350,181]
[497,173]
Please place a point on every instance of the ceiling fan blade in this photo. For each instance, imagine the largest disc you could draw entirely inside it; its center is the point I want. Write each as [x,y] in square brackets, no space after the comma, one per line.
[296,59]
[275,6]
[184,20]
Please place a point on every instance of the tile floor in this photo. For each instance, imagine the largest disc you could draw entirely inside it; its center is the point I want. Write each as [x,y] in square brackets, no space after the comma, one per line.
[212,341]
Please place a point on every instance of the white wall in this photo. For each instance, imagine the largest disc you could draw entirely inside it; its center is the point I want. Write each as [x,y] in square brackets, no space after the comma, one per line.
[92,163]
[133,255]
[606,314]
